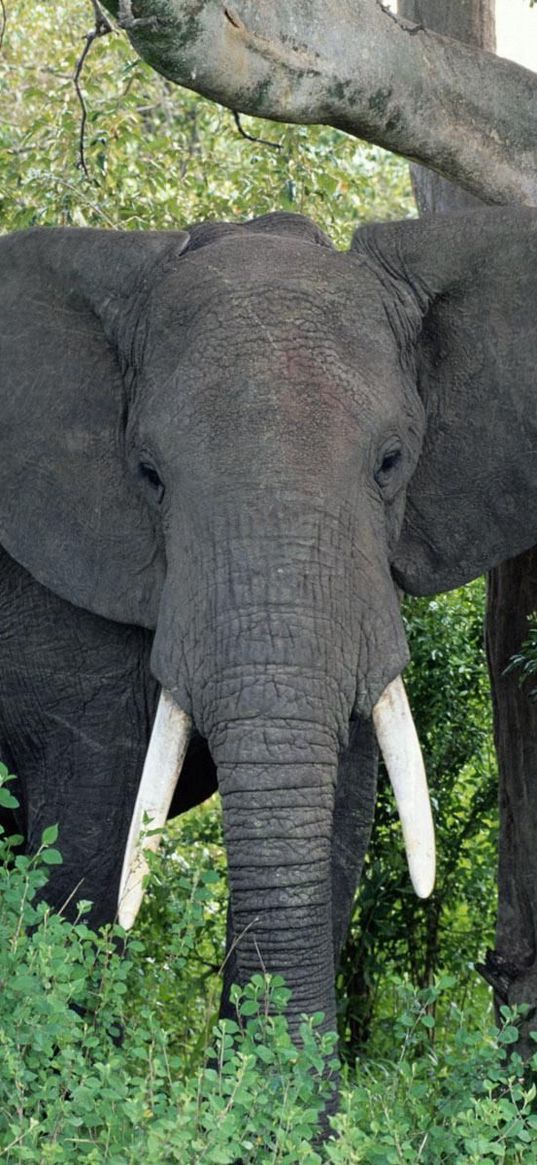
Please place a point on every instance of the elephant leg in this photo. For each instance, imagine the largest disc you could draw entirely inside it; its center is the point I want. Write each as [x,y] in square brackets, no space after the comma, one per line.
[354,811]
[512,968]
[76,707]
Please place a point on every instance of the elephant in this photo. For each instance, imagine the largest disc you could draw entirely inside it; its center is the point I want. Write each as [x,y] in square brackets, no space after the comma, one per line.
[226,452]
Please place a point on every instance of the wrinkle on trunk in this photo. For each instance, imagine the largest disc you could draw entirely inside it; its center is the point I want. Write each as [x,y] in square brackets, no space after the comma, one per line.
[276,590]
[275,731]
[277,785]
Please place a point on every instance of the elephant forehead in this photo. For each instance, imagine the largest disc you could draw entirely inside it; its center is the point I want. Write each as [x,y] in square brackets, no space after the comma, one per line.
[290,363]
[259,284]
[290,371]
[281,332]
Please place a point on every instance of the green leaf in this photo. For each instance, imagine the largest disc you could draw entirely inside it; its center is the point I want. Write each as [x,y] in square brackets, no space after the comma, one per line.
[249,1007]
[49,835]
[265,1054]
[7,800]
[52,857]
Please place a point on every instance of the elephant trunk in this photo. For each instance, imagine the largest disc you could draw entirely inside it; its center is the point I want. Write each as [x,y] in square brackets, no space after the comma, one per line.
[277,783]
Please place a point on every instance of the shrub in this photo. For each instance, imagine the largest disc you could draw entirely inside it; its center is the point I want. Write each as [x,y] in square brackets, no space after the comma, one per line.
[90,1072]
[392,932]
[457,1096]
[97,1065]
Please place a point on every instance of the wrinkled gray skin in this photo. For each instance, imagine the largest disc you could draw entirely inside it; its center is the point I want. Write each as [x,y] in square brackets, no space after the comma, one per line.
[218,450]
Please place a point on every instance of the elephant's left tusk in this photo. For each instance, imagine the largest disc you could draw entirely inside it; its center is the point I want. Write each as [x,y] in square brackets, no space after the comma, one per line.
[161,772]
[400,747]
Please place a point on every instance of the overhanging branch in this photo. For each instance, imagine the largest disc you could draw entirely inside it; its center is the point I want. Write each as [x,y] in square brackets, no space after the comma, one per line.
[465,113]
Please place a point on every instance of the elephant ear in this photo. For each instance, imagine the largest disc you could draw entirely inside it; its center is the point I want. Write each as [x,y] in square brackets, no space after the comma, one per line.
[472,501]
[70,509]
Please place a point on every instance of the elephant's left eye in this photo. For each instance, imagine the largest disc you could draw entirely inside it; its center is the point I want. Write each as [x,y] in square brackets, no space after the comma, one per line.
[388,464]
[150,475]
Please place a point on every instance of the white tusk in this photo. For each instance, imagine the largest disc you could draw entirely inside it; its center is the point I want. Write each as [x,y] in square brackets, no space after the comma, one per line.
[161,772]
[400,747]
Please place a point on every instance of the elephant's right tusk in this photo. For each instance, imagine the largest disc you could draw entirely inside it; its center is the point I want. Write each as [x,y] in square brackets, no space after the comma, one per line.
[400,747]
[161,772]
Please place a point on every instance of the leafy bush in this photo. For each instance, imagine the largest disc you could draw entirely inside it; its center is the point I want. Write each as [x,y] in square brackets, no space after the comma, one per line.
[91,1066]
[462,1099]
[88,1069]
[392,933]
[182,926]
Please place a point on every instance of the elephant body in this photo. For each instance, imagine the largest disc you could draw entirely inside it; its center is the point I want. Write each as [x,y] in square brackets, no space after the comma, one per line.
[224,450]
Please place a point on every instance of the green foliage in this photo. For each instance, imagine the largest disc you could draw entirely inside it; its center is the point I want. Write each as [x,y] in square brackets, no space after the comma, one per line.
[187,899]
[90,1068]
[159,157]
[464,1099]
[392,932]
[526,659]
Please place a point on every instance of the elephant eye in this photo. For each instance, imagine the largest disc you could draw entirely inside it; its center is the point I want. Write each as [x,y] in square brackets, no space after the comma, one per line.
[150,475]
[390,460]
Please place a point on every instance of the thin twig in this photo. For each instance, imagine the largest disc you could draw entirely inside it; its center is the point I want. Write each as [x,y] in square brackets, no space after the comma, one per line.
[102,27]
[81,196]
[249,137]
[236,942]
[192,144]
[70,896]
[4,22]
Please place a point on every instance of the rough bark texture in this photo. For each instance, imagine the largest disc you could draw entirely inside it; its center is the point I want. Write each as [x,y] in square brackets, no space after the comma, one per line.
[512,595]
[471,21]
[352,64]
[512,968]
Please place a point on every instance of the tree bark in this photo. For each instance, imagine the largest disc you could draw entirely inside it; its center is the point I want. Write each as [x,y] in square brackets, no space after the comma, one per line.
[512,968]
[512,595]
[355,65]
[471,21]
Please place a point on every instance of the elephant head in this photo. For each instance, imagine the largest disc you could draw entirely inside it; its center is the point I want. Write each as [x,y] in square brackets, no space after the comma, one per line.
[240,437]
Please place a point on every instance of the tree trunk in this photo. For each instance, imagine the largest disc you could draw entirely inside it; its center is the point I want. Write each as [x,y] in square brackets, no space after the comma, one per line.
[512,595]
[471,21]
[357,66]
[512,968]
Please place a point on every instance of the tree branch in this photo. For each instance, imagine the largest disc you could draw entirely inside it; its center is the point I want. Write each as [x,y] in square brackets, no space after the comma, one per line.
[101,27]
[463,112]
[3,22]
[251,137]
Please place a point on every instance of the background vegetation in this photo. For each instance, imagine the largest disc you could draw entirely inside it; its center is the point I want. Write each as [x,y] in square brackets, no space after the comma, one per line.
[122,1076]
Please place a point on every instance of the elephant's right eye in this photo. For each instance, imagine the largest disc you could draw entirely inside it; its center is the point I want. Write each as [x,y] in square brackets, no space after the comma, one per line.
[149,474]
